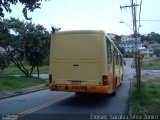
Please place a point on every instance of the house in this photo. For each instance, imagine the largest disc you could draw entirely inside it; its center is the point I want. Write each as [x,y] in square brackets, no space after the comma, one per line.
[130,45]
[146,52]
[152,34]
[154,46]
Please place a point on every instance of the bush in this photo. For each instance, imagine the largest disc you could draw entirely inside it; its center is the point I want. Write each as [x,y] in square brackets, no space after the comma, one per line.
[157,52]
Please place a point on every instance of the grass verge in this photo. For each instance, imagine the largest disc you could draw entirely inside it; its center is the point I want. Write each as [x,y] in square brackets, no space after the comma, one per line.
[13,70]
[9,83]
[146,100]
[153,64]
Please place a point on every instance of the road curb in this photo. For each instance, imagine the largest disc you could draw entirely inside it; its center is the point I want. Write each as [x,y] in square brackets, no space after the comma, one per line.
[17,93]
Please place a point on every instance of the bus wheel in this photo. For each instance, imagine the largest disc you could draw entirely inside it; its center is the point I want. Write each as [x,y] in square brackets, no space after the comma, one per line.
[114,92]
[120,83]
[122,77]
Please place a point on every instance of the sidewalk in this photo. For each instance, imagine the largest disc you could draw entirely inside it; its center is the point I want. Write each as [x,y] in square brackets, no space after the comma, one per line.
[7,94]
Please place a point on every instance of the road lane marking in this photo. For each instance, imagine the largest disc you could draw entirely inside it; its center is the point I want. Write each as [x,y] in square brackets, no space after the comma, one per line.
[27,112]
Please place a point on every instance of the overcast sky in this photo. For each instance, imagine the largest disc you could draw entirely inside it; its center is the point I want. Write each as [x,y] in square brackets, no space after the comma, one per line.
[92,14]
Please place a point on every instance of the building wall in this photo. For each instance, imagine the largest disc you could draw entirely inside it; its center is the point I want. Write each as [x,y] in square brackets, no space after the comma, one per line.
[130,46]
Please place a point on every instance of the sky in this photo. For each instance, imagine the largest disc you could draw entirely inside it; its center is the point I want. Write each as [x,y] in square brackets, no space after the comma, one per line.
[92,15]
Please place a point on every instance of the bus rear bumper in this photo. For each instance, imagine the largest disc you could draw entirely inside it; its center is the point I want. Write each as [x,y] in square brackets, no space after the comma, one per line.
[80,88]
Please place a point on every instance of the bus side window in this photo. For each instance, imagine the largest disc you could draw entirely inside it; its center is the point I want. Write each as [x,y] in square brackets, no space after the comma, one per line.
[121,61]
[109,51]
[116,56]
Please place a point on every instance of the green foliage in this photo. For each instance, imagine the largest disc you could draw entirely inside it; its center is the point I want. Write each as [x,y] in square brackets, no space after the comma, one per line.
[157,52]
[27,41]
[144,38]
[37,44]
[121,49]
[29,5]
[14,83]
[13,70]
[117,37]
[147,98]
[4,60]
[155,65]
[154,39]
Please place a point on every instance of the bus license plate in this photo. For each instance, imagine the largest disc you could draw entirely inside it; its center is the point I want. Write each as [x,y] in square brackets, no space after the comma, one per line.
[79,87]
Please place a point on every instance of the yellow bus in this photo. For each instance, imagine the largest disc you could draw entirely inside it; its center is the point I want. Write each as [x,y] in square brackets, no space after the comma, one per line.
[85,61]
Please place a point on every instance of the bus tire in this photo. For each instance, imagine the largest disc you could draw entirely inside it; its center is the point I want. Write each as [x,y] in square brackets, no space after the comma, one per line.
[114,93]
[122,77]
[120,83]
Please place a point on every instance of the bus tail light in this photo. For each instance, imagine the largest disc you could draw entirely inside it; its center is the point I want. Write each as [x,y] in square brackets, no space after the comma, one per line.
[105,80]
[50,78]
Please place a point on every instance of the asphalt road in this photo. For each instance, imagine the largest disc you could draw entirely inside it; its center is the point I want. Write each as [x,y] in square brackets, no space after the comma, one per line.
[63,105]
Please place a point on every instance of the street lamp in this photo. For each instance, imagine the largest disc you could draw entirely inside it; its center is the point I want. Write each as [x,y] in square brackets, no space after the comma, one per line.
[136,54]
[126,24]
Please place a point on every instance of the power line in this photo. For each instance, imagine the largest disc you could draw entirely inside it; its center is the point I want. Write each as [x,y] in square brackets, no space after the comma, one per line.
[140,15]
[133,8]
[150,20]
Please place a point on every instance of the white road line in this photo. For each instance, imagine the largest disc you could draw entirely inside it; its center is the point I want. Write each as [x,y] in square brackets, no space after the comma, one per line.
[22,114]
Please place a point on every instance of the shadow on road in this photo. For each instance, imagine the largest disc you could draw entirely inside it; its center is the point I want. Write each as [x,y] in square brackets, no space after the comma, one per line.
[87,100]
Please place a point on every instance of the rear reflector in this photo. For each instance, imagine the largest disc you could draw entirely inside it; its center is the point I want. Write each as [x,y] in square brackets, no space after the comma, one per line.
[105,80]
[50,78]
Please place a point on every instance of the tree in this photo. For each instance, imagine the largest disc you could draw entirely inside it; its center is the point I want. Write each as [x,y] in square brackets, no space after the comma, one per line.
[22,40]
[29,5]
[37,45]
[144,38]
[157,52]
[154,39]
[118,37]
[121,49]
[4,60]
[13,46]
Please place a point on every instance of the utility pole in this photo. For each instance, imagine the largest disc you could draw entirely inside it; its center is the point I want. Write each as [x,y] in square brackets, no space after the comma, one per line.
[137,57]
